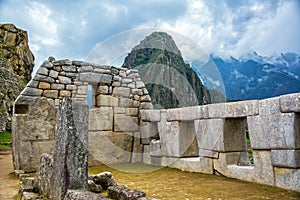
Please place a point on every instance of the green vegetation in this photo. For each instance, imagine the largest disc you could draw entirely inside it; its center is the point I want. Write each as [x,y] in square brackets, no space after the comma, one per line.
[2,111]
[3,58]
[24,81]
[5,137]
[4,92]
[167,183]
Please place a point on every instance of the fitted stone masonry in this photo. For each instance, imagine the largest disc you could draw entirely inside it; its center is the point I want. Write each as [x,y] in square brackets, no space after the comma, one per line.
[124,128]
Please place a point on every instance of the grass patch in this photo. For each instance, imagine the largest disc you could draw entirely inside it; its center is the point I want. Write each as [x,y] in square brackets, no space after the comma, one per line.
[5,137]
[167,183]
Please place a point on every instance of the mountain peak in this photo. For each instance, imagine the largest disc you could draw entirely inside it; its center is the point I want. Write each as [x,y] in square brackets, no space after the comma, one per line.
[159,40]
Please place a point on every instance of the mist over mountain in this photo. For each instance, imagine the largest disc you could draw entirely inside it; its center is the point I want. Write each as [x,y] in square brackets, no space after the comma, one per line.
[257,77]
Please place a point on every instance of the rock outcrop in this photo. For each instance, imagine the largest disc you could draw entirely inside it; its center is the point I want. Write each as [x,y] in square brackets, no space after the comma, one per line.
[16,64]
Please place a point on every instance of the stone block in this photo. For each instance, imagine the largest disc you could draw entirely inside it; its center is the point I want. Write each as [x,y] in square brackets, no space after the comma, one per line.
[64,93]
[155,148]
[145,98]
[71,87]
[44,85]
[95,78]
[131,111]
[286,158]
[263,169]
[146,105]
[102,89]
[170,139]
[64,80]
[274,131]
[220,135]
[150,115]
[187,113]
[115,146]
[53,74]
[149,131]
[33,84]
[55,86]
[88,68]
[126,123]
[121,91]
[140,85]
[137,153]
[102,119]
[122,192]
[195,164]
[208,153]
[82,89]
[146,155]
[32,92]
[119,110]
[107,100]
[43,71]
[125,102]
[83,194]
[30,196]
[51,94]
[43,78]
[287,178]
[290,103]
[71,68]
[137,92]
[234,109]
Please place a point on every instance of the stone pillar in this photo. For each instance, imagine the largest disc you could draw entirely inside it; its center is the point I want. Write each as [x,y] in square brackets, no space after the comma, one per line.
[71,148]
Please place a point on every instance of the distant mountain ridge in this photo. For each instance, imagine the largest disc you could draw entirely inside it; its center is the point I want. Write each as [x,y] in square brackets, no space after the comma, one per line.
[257,77]
[171,82]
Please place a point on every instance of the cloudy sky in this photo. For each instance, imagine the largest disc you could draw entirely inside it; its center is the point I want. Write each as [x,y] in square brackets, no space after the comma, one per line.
[71,29]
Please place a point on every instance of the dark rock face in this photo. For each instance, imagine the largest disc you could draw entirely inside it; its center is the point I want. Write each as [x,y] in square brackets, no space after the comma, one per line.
[71,148]
[167,76]
[93,187]
[123,193]
[16,64]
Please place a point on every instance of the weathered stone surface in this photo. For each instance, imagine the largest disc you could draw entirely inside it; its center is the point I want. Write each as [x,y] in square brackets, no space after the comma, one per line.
[93,187]
[123,193]
[83,195]
[82,89]
[71,148]
[119,110]
[36,126]
[42,71]
[44,85]
[95,77]
[137,151]
[169,136]
[64,80]
[44,174]
[155,148]
[53,74]
[140,85]
[102,89]
[227,165]
[131,111]
[121,91]
[220,134]
[51,94]
[188,145]
[27,184]
[104,179]
[149,131]
[290,103]
[146,155]
[55,86]
[125,102]
[32,92]
[286,158]
[125,123]
[65,93]
[33,83]
[263,171]
[287,178]
[274,131]
[196,164]
[137,92]
[187,113]
[146,105]
[234,109]
[208,153]
[102,119]
[107,100]
[71,68]
[43,78]
[115,146]
[150,115]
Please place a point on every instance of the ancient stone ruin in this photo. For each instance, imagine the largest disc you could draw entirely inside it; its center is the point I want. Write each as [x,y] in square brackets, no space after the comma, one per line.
[122,127]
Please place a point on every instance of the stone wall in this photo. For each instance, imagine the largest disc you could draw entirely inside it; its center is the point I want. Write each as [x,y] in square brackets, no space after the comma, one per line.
[220,130]
[117,96]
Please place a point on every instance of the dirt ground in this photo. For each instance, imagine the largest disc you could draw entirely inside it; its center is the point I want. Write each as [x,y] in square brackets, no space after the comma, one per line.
[9,184]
